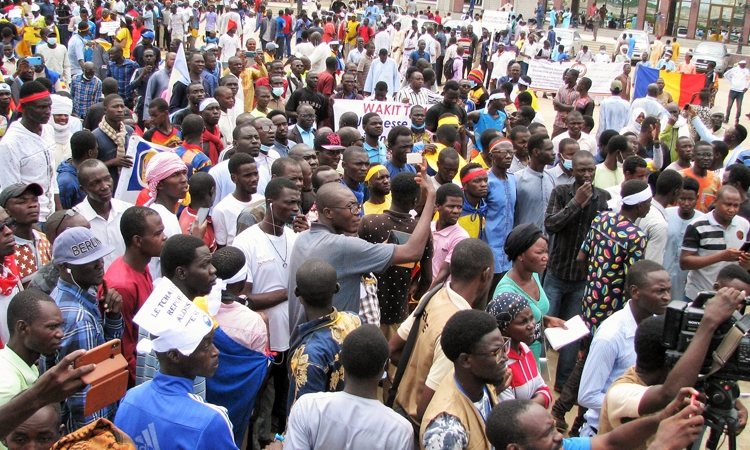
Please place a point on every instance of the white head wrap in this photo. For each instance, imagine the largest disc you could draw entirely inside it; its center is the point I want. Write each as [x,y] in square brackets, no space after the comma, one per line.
[638,197]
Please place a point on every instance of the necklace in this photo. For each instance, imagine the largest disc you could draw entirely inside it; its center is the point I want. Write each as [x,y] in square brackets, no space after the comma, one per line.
[286,249]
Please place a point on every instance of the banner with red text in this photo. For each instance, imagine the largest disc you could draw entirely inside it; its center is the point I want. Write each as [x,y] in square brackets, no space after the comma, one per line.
[393,114]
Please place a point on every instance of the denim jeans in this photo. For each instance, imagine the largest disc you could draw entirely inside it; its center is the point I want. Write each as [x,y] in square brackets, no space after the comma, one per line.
[735,95]
[565,301]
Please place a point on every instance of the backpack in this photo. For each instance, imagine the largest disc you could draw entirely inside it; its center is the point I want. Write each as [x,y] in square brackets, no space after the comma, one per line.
[448,69]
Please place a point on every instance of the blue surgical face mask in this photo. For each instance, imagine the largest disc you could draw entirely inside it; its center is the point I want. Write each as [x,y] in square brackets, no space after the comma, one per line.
[568,164]
[473,84]
[52,40]
[277,91]
[421,127]
[264,148]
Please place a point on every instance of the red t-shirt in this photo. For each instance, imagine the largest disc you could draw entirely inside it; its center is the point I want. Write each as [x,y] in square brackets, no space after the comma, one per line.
[288,26]
[134,287]
[329,31]
[366,33]
[326,83]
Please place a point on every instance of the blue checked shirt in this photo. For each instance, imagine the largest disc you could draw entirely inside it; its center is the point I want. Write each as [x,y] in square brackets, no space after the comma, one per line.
[123,74]
[83,328]
[85,94]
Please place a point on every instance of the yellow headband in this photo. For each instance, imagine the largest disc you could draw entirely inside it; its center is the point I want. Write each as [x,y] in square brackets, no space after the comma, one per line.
[373,170]
[453,120]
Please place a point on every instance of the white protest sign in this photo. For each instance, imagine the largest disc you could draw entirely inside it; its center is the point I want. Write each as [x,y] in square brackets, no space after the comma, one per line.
[133,179]
[178,322]
[110,28]
[548,76]
[495,20]
[393,114]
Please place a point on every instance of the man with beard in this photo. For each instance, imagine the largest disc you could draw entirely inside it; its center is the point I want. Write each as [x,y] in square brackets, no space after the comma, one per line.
[308,96]
[112,136]
[245,140]
[244,173]
[227,119]
[267,155]
[35,330]
[378,183]
[211,135]
[84,326]
[534,184]
[196,93]
[462,403]
[28,140]
[33,250]
[100,208]
[282,144]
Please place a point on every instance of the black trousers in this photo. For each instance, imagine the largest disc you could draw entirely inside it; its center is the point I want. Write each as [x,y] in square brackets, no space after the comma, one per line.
[439,69]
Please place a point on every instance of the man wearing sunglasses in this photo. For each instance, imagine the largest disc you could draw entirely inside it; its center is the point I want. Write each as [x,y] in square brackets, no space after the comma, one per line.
[10,278]
[459,409]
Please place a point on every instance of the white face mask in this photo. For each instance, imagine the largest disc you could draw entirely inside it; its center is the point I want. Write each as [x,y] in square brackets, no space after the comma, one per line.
[52,40]
[602,51]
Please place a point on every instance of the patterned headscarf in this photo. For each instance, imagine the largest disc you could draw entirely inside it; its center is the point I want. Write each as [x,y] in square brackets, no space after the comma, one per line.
[160,167]
[101,434]
[506,306]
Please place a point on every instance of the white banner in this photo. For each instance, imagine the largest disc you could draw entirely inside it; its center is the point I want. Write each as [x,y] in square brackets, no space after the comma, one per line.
[547,76]
[495,20]
[393,114]
[111,28]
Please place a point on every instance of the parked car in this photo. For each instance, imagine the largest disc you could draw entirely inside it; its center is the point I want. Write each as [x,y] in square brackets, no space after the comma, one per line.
[570,39]
[682,32]
[711,51]
[642,44]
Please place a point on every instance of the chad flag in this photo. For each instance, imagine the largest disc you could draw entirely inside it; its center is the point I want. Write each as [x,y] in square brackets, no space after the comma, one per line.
[681,86]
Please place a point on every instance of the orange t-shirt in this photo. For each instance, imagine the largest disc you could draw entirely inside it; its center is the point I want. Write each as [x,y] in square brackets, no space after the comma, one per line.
[708,187]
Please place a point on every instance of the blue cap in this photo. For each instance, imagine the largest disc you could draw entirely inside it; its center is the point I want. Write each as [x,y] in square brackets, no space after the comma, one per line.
[79,246]
[148,34]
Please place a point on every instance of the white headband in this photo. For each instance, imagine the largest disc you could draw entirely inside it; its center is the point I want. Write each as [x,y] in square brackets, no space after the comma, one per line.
[497,96]
[523,82]
[206,103]
[637,198]
[239,276]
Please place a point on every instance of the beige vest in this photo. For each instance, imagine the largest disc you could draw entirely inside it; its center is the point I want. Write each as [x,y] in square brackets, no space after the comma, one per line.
[450,399]
[431,325]
[605,425]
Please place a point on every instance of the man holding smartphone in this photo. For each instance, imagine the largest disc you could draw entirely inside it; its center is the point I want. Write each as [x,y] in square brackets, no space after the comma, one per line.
[80,256]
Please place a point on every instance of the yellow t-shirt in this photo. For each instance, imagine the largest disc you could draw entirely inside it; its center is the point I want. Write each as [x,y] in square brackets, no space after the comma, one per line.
[123,34]
[351,32]
[372,208]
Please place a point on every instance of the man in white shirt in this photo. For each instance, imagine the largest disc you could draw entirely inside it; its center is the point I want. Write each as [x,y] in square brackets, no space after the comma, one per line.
[656,224]
[319,54]
[584,55]
[267,246]
[382,69]
[739,77]
[55,55]
[586,142]
[267,155]
[229,43]
[614,111]
[370,425]
[99,207]
[245,139]
[602,56]
[27,150]
[244,175]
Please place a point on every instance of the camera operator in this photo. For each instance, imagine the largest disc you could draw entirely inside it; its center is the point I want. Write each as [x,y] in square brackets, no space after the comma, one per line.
[650,385]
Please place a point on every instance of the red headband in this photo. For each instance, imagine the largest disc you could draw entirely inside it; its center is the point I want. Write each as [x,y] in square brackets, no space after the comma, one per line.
[33,97]
[473,174]
[500,142]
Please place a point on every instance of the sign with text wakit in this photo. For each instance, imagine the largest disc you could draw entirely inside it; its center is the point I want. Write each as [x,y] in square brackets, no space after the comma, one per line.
[133,180]
[548,76]
[393,114]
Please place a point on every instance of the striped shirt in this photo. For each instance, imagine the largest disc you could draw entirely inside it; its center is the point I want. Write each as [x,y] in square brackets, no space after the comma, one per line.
[705,236]
[566,96]
[423,97]
[83,328]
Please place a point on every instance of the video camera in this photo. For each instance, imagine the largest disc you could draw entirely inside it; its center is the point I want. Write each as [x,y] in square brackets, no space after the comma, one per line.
[680,324]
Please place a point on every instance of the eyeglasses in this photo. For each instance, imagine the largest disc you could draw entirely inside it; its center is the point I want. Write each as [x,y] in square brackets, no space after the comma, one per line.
[9,222]
[307,116]
[503,152]
[354,208]
[500,352]
[268,128]
[68,213]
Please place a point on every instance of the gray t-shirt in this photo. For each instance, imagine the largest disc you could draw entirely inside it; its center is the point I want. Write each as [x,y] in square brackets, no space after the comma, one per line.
[350,256]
